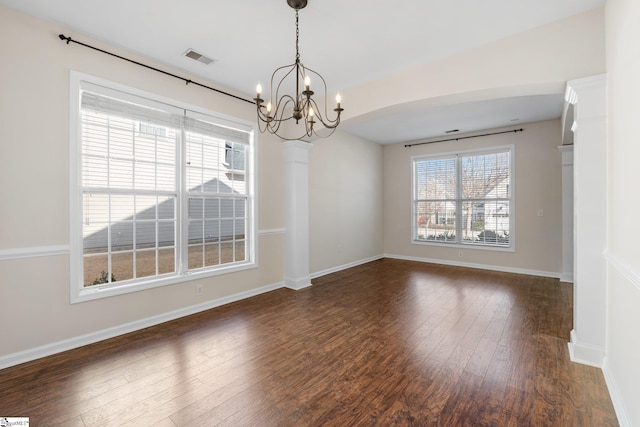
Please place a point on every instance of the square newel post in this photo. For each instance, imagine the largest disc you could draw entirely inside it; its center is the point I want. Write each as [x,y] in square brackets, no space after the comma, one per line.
[296,198]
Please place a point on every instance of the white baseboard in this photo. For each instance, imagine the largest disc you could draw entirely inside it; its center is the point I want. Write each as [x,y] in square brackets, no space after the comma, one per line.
[616,396]
[297,284]
[478,266]
[345,266]
[585,354]
[60,346]
[566,277]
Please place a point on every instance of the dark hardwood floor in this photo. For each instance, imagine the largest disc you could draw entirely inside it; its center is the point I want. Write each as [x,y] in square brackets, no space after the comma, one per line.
[386,343]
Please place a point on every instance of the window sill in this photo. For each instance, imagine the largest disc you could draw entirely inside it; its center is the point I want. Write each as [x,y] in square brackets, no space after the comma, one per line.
[96,292]
[510,248]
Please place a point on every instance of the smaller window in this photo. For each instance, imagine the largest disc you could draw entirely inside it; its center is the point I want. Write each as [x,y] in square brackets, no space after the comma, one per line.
[464,198]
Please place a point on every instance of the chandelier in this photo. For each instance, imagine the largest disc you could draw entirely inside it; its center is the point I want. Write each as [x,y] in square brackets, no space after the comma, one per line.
[299,107]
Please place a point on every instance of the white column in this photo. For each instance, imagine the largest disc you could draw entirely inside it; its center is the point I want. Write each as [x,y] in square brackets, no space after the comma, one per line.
[296,186]
[588,337]
[567,213]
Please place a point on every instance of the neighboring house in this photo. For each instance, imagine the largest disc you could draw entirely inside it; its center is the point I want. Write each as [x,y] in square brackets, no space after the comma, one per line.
[495,215]
[123,236]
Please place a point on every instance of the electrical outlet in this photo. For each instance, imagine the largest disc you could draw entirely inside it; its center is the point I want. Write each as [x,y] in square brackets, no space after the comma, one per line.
[460,254]
[540,212]
[199,290]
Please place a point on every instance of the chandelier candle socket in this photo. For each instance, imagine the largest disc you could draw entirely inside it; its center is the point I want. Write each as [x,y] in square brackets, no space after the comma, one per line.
[300,107]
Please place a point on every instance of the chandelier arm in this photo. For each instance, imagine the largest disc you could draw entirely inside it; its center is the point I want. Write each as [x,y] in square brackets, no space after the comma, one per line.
[326,94]
[281,108]
[279,119]
[331,131]
[261,115]
[278,98]
[326,122]
[291,67]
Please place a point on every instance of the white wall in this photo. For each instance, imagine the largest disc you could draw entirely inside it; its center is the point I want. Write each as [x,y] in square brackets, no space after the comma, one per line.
[34,171]
[345,201]
[623,312]
[535,62]
[538,185]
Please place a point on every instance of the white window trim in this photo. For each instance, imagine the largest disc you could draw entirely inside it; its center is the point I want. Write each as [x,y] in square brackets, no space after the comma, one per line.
[456,245]
[80,293]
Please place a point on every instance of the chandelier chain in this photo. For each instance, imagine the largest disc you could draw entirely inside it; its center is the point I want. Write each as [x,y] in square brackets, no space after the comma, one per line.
[297,38]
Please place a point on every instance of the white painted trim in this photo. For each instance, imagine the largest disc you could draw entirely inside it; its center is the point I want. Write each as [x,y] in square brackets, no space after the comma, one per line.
[271,231]
[33,252]
[585,354]
[473,246]
[625,269]
[589,342]
[96,292]
[501,268]
[296,213]
[616,396]
[566,277]
[77,291]
[75,342]
[345,266]
[567,160]
[297,283]
[457,154]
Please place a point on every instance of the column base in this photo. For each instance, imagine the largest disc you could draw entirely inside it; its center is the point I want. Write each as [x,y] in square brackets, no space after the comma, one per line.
[297,283]
[585,354]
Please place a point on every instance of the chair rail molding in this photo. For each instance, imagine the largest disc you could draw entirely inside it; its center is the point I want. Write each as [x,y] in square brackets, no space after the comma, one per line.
[33,252]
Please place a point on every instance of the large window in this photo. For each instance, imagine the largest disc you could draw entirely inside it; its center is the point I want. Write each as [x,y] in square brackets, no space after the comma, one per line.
[160,192]
[464,198]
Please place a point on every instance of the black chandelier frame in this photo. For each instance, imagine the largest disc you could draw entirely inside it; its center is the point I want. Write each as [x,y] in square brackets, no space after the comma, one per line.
[302,106]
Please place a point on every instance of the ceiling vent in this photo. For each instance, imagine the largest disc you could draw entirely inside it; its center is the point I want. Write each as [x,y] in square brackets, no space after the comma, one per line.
[199,57]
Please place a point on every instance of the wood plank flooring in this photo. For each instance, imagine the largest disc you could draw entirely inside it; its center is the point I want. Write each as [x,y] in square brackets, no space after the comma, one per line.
[387,343]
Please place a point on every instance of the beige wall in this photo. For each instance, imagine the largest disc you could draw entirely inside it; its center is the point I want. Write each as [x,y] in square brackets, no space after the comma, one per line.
[34,172]
[623,69]
[345,193]
[538,185]
[345,201]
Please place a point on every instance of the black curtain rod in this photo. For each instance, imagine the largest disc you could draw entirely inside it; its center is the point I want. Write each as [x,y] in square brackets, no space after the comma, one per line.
[187,81]
[464,137]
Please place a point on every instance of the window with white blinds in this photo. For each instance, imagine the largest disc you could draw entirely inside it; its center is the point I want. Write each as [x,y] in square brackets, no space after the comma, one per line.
[156,199]
[464,198]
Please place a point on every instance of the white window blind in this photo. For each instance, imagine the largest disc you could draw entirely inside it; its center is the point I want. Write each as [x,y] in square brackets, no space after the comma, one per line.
[217,196]
[464,198]
[157,195]
[129,188]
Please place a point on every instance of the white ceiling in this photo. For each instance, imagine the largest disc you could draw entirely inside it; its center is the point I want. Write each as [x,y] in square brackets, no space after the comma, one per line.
[348,42]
